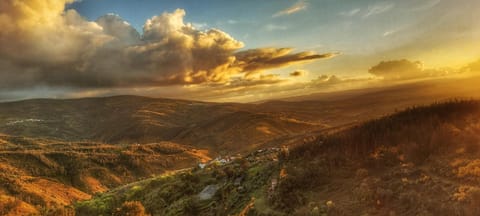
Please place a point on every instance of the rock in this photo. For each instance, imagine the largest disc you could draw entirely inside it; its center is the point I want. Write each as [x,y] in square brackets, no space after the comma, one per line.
[238,181]
[241,189]
[315,211]
[330,204]
[208,192]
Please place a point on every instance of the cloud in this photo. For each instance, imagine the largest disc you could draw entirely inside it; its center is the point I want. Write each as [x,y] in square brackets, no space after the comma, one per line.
[350,13]
[256,60]
[119,29]
[44,45]
[298,73]
[371,10]
[404,69]
[297,7]
[38,30]
[326,79]
[472,67]
[273,27]
[268,79]
[378,8]
[427,5]
[390,32]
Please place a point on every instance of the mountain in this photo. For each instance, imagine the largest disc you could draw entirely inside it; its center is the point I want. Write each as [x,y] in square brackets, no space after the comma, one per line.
[44,175]
[420,161]
[404,90]
[133,119]
[56,152]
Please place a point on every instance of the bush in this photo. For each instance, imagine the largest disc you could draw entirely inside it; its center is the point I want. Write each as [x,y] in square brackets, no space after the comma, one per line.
[288,194]
[8,205]
[130,208]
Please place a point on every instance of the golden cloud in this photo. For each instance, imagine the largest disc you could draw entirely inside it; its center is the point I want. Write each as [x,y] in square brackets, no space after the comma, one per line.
[404,69]
[42,44]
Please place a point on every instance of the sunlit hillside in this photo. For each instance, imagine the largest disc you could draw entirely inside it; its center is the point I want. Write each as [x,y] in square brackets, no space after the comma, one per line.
[245,108]
[387,166]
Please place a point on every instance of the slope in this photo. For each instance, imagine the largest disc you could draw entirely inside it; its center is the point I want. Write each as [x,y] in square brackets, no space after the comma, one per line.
[423,160]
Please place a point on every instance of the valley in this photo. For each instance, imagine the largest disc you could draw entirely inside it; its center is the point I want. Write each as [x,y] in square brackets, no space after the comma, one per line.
[58,153]
[382,167]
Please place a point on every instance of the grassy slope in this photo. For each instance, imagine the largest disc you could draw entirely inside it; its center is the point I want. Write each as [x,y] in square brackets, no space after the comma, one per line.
[423,160]
[177,194]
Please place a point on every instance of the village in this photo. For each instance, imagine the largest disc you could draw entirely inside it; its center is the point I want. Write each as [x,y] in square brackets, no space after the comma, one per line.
[261,155]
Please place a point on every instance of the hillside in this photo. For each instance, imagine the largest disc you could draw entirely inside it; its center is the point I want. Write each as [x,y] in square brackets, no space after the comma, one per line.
[44,176]
[344,107]
[421,161]
[56,152]
[132,119]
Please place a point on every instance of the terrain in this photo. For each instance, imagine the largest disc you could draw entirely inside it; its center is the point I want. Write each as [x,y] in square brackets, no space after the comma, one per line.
[420,161]
[43,176]
[56,153]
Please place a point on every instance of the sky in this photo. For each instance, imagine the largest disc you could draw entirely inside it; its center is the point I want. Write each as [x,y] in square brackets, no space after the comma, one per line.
[235,51]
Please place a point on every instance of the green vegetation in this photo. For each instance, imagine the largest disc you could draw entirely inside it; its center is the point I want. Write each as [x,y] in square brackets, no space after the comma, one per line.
[408,163]
[50,174]
[177,194]
[132,208]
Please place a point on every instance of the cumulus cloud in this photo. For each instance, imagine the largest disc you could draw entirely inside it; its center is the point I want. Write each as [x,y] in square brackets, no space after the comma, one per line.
[404,69]
[36,30]
[42,44]
[118,28]
[297,7]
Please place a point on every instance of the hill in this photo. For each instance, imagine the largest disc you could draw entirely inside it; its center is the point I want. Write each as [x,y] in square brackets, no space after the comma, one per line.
[133,119]
[56,152]
[344,107]
[421,161]
[44,176]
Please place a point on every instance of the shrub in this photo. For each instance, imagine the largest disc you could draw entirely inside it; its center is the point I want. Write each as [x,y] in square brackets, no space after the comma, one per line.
[130,208]
[8,205]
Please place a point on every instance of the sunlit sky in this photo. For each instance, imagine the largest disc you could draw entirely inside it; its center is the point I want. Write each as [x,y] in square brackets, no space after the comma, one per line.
[237,51]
